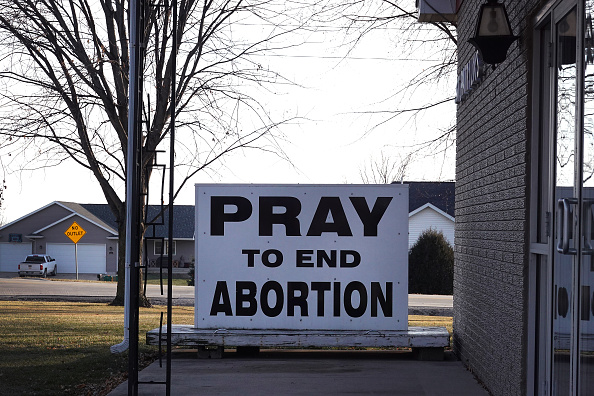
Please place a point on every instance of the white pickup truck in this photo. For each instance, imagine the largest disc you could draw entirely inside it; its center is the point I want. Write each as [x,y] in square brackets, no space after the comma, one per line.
[38,264]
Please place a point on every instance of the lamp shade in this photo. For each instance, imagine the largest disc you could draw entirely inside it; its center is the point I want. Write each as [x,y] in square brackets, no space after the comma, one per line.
[493,34]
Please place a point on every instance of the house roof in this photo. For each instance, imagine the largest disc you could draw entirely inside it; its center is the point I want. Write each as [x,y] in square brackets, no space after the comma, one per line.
[431,207]
[101,211]
[183,218]
[84,212]
[439,194]
[75,209]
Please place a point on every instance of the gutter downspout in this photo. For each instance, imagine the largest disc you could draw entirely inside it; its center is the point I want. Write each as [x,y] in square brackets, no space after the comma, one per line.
[123,346]
[130,167]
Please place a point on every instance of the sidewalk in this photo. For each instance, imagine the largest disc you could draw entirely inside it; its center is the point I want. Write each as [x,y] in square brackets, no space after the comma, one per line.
[310,373]
[280,372]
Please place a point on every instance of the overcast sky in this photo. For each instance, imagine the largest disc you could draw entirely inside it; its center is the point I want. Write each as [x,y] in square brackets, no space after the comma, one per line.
[335,140]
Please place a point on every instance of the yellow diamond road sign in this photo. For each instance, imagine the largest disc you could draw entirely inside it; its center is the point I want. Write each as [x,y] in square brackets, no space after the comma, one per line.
[75,232]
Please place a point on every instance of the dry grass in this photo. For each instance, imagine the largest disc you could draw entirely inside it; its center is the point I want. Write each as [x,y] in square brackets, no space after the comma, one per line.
[432,321]
[152,279]
[62,348]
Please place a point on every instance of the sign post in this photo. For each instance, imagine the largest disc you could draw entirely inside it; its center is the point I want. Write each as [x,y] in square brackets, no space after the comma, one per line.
[75,232]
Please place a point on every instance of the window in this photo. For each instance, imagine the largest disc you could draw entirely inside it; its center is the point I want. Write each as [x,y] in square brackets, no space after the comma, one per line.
[15,237]
[159,248]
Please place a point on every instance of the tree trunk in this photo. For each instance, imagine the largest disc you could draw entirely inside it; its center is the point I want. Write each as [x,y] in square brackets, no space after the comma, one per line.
[121,288]
[119,299]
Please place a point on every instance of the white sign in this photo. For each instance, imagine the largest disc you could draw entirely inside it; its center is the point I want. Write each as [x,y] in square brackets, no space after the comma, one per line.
[315,257]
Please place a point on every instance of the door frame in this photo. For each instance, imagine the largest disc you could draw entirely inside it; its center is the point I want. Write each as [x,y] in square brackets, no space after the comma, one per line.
[539,348]
[543,157]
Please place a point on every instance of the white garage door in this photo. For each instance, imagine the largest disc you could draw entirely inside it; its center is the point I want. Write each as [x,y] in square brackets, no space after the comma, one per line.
[91,258]
[11,254]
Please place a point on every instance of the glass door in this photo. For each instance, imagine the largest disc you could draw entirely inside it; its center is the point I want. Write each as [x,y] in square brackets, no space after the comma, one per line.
[565,195]
[586,273]
[562,238]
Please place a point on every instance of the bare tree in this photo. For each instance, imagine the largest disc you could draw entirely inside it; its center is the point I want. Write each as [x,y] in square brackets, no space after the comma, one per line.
[385,169]
[436,41]
[64,85]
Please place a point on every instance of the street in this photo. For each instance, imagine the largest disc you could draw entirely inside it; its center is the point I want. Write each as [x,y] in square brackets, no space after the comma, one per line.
[30,286]
[89,289]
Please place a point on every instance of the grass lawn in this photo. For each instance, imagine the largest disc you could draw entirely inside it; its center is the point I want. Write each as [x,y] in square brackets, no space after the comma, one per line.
[151,279]
[59,348]
[177,280]
[62,348]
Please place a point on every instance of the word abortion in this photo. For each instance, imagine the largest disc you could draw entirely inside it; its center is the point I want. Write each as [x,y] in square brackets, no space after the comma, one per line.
[356,298]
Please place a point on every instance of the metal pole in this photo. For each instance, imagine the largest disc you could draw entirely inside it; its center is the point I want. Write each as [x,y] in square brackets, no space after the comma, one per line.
[171,197]
[76,258]
[133,169]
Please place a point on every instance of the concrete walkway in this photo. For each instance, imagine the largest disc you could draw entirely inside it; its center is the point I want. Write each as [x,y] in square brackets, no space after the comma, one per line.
[310,373]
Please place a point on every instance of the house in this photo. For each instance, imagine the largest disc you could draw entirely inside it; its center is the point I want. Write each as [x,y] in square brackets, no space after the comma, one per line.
[157,225]
[430,205]
[43,231]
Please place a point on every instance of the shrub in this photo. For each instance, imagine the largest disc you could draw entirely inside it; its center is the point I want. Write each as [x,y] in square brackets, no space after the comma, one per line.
[431,264]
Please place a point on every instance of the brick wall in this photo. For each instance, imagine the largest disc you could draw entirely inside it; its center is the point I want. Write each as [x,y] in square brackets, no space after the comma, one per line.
[492,157]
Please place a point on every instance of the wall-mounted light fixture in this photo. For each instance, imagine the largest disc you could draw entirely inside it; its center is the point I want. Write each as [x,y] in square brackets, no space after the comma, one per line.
[493,35]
